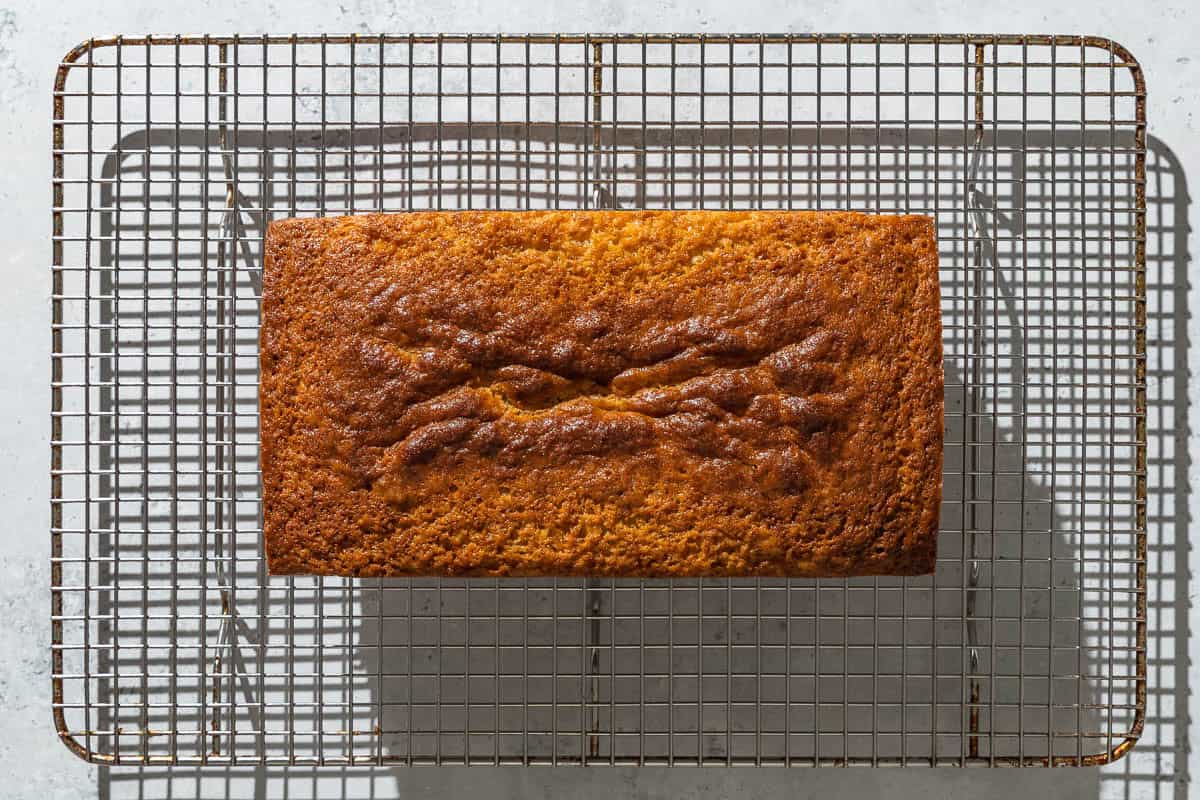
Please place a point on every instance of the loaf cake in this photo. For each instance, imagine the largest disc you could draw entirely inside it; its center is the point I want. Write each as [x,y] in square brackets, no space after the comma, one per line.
[601,393]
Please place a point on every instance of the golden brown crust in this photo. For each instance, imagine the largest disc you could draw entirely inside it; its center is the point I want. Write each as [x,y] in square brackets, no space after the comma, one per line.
[601,393]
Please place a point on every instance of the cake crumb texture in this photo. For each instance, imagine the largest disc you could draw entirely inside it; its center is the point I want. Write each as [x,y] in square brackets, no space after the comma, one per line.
[602,393]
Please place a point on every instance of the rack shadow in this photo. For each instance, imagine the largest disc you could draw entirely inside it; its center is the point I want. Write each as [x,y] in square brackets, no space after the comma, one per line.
[585,642]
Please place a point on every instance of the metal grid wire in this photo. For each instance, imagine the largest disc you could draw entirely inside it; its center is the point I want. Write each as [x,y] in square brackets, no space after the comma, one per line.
[172,645]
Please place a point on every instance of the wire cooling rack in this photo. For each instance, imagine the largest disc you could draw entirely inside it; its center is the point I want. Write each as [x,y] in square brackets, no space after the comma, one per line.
[171,644]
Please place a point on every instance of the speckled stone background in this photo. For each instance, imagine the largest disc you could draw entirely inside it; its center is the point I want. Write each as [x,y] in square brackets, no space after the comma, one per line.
[33,35]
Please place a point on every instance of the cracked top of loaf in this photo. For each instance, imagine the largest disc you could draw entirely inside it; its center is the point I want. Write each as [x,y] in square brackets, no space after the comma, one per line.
[609,393]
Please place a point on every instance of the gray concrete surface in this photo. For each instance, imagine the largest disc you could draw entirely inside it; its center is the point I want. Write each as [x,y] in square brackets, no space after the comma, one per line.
[32,37]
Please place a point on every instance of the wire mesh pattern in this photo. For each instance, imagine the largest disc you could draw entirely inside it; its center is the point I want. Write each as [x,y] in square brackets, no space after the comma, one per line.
[172,645]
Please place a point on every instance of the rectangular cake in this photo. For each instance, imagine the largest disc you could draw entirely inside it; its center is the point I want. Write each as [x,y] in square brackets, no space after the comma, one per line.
[601,393]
